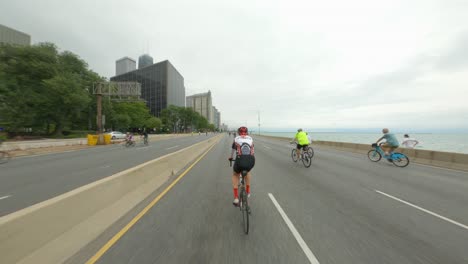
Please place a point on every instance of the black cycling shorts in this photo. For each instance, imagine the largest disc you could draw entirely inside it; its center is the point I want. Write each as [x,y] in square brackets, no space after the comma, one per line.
[244,162]
[301,146]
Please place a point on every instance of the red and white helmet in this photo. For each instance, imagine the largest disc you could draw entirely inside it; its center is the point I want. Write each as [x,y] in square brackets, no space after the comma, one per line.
[242,131]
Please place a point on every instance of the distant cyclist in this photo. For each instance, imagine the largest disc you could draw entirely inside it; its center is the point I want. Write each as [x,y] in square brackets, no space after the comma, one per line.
[245,160]
[409,142]
[302,141]
[145,136]
[129,137]
[391,142]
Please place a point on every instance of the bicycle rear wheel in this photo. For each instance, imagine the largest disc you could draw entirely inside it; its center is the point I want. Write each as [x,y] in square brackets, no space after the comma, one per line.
[306,159]
[245,210]
[373,155]
[400,159]
[4,157]
[294,155]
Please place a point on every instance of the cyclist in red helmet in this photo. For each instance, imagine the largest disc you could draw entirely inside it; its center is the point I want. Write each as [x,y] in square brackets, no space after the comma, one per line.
[245,160]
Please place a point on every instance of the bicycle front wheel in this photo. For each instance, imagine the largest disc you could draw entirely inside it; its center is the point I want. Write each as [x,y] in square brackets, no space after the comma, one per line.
[310,150]
[400,160]
[294,155]
[374,155]
[245,211]
[306,159]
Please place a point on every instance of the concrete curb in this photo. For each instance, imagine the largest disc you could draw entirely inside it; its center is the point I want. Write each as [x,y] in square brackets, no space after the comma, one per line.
[457,161]
[54,230]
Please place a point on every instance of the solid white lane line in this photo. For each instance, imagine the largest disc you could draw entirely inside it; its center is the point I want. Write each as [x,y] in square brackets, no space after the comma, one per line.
[425,210]
[172,147]
[4,197]
[296,234]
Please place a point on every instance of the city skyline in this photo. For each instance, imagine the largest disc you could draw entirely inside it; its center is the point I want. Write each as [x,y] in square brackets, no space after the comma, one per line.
[362,65]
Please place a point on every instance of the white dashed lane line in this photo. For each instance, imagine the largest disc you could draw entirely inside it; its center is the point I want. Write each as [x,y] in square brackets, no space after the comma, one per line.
[172,147]
[302,243]
[424,210]
[5,197]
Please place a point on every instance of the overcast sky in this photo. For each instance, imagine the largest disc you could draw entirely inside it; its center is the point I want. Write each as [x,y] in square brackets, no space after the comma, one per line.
[401,64]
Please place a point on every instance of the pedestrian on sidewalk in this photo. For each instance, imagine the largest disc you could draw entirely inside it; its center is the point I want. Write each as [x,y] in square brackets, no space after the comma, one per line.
[409,142]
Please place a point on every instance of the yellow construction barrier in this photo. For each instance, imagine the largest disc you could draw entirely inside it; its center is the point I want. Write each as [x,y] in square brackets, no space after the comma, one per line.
[107,139]
[92,140]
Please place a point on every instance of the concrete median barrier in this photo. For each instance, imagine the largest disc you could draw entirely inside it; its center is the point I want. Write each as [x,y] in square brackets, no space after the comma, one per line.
[458,161]
[53,230]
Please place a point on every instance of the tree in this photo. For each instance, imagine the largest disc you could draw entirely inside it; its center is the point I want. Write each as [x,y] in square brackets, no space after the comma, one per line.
[153,122]
[66,98]
[130,115]
[41,87]
[171,117]
[23,69]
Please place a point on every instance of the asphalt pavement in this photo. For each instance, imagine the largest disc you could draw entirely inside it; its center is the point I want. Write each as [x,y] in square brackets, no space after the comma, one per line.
[28,180]
[343,209]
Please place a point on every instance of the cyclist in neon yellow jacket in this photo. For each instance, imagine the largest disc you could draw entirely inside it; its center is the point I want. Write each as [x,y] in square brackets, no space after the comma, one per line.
[302,141]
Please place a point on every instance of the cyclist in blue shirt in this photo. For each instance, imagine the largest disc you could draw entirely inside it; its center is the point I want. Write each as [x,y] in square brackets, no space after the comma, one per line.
[391,142]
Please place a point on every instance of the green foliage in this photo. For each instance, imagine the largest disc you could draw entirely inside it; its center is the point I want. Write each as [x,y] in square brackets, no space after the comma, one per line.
[42,88]
[128,115]
[48,92]
[182,119]
[153,122]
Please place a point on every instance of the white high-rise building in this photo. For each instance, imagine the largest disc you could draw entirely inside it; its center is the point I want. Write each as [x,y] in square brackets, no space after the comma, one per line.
[201,103]
[216,117]
[124,65]
[13,37]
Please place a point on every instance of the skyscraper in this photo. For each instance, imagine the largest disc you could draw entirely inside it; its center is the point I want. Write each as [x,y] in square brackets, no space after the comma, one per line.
[161,85]
[14,37]
[201,103]
[216,118]
[144,60]
[124,65]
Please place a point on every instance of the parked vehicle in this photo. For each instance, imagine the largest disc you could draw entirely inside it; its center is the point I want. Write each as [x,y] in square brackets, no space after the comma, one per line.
[116,135]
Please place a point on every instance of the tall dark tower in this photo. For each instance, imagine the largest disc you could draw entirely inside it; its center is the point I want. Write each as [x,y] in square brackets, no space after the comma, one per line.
[144,61]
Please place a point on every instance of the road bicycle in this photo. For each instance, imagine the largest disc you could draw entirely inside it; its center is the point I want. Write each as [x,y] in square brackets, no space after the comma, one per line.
[243,199]
[4,157]
[306,155]
[398,159]
[145,141]
[130,143]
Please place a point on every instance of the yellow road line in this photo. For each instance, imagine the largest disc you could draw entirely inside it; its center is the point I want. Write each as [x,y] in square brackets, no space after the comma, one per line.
[124,230]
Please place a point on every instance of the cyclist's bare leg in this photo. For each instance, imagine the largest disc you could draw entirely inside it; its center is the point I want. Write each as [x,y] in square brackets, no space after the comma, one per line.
[235,180]
[385,148]
[247,181]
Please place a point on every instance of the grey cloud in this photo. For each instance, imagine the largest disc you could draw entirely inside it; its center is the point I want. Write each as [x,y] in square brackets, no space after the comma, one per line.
[383,88]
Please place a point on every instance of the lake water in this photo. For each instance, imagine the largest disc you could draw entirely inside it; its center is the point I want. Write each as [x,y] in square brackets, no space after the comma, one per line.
[441,142]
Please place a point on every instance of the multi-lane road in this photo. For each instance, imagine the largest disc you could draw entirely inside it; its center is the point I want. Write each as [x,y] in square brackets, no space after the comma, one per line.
[28,180]
[343,209]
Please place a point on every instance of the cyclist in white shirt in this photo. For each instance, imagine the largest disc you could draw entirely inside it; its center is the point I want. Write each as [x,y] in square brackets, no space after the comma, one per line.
[409,142]
[245,160]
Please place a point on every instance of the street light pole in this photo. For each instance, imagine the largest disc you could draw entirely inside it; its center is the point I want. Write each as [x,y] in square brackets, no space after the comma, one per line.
[259,122]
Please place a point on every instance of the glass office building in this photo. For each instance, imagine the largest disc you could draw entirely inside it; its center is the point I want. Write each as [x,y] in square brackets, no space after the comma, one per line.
[161,85]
